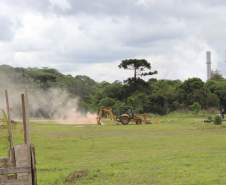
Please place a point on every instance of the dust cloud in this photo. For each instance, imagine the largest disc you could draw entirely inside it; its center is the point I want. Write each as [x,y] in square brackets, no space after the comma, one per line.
[52,104]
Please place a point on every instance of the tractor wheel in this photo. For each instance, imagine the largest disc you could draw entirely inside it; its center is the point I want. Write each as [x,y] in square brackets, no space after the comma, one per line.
[138,122]
[124,120]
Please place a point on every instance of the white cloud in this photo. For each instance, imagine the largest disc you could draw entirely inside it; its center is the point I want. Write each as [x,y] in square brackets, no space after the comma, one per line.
[88,37]
[61,4]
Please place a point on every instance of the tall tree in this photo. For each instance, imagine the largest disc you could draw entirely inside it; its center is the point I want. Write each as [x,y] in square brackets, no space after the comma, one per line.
[216,75]
[141,67]
[192,90]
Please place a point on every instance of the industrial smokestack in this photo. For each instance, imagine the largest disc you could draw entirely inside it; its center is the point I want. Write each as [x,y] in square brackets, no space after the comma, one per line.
[208,63]
[225,56]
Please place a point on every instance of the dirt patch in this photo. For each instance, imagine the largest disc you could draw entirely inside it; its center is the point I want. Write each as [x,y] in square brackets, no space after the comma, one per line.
[75,176]
[72,119]
[78,118]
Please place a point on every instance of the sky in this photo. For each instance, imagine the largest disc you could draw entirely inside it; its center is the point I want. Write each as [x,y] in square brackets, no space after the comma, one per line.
[84,37]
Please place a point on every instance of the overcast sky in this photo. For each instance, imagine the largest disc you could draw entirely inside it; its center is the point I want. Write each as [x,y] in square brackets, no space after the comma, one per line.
[91,37]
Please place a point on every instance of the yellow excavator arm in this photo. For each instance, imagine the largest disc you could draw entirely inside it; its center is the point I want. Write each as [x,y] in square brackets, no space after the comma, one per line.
[105,112]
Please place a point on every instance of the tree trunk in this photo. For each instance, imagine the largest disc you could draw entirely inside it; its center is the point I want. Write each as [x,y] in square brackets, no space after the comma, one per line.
[135,74]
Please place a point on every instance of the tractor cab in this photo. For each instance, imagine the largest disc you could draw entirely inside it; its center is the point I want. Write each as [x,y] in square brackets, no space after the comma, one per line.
[126,114]
[130,112]
[124,110]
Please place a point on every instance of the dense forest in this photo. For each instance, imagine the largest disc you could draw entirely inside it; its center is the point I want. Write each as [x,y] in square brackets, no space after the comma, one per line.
[151,96]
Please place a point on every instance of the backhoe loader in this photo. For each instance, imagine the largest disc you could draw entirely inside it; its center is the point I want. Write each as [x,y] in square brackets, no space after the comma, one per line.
[124,116]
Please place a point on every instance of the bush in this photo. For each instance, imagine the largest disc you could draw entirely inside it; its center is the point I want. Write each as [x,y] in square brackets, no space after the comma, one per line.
[157,104]
[210,119]
[195,108]
[106,102]
[217,120]
[212,100]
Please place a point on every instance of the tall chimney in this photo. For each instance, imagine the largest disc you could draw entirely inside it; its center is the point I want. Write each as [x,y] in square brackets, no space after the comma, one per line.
[225,55]
[208,62]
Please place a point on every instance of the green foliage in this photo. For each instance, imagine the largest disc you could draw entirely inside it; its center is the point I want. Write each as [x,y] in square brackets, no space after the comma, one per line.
[152,96]
[107,102]
[141,67]
[217,120]
[215,75]
[212,100]
[218,87]
[210,119]
[137,101]
[192,90]
[118,106]
[157,104]
[195,108]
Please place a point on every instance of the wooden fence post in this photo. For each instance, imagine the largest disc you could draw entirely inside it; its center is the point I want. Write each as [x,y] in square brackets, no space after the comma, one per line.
[23,170]
[9,120]
[25,120]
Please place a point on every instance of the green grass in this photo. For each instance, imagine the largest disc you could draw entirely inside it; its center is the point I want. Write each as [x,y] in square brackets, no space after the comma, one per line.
[180,150]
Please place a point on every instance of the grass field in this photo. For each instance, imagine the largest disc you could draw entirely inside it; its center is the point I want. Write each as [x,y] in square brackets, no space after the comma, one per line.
[180,150]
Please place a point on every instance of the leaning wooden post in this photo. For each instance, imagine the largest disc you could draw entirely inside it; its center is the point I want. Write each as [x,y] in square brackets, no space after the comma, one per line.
[25,120]
[9,120]
[27,140]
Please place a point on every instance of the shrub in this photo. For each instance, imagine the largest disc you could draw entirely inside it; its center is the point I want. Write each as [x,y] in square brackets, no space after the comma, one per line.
[106,102]
[195,108]
[157,104]
[210,119]
[217,120]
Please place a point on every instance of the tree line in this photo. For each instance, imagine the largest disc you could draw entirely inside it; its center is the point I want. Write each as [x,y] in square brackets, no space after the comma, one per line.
[151,96]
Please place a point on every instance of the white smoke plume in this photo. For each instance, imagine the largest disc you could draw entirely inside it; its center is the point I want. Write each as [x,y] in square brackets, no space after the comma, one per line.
[55,103]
